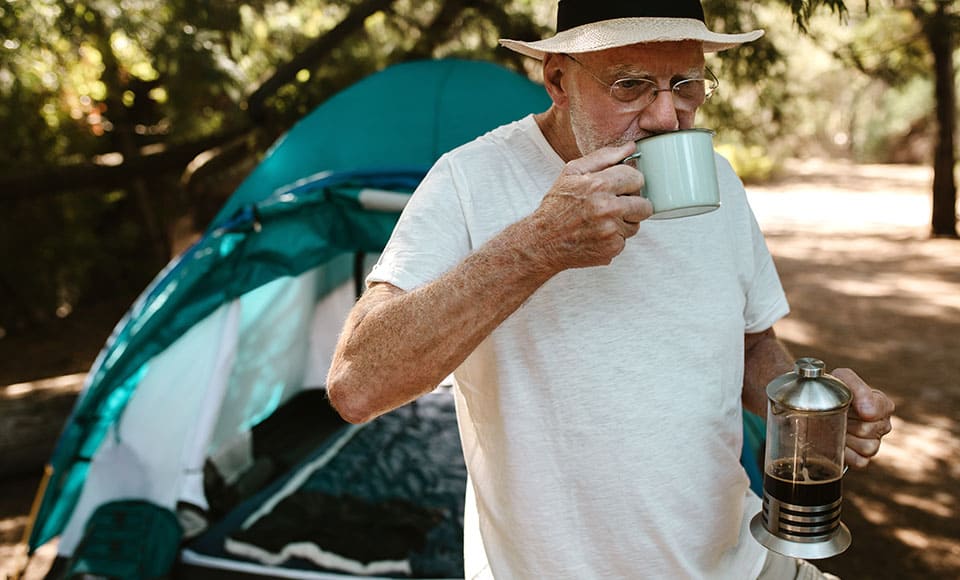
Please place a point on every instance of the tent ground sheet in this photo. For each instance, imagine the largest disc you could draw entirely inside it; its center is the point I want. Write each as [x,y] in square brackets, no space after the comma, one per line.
[380,499]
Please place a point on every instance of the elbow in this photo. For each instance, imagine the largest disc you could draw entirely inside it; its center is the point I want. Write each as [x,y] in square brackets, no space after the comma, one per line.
[348,402]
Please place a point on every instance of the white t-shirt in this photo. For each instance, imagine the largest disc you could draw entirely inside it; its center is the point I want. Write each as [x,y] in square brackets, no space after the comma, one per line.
[601,421]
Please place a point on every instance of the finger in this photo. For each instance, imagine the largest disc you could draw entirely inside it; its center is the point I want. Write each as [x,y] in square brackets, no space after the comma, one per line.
[635,210]
[624,246]
[869,404]
[620,182]
[629,229]
[869,429]
[627,185]
[854,459]
[601,159]
[864,447]
[623,180]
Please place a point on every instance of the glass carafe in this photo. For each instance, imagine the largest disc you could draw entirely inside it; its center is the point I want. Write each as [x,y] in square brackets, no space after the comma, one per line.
[803,465]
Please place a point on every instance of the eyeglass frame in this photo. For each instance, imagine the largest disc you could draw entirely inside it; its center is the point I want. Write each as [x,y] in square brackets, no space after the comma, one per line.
[714,84]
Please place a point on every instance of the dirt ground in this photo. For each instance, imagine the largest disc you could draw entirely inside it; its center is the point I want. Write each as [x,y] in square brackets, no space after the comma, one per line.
[869,290]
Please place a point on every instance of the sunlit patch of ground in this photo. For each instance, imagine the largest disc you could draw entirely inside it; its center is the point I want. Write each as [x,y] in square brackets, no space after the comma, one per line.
[15,501]
[12,559]
[827,196]
[71,382]
[17,494]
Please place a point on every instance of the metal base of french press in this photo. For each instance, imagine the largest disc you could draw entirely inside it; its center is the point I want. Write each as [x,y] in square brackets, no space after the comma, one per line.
[835,544]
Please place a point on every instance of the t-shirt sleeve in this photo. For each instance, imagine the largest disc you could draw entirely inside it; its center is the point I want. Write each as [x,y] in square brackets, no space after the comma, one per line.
[766,301]
[431,236]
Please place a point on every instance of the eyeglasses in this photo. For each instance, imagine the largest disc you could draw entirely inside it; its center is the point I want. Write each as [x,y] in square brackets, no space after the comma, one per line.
[688,94]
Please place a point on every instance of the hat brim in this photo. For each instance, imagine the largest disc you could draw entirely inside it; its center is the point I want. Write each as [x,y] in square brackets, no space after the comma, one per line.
[626,31]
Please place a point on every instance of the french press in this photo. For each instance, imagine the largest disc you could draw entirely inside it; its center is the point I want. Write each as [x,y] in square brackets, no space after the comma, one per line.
[803,466]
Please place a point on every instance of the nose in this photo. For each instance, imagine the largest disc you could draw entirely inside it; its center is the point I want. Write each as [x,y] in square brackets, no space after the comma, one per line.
[661,115]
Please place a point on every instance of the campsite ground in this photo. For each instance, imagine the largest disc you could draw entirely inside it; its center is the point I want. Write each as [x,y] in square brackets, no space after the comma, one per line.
[868,289]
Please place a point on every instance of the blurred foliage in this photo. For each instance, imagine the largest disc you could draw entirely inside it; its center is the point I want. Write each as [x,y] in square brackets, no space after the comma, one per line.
[98,82]
[93,83]
[751,162]
[856,84]
[881,75]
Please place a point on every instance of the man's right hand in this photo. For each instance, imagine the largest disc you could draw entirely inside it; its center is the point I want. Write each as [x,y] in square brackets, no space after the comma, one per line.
[592,208]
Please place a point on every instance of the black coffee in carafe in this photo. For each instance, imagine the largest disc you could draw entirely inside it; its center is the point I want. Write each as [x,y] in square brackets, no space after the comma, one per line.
[810,483]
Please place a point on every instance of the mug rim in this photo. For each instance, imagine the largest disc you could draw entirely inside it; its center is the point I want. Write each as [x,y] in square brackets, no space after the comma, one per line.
[669,133]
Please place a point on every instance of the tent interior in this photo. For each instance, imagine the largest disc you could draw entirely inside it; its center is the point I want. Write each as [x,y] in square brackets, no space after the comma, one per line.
[264,477]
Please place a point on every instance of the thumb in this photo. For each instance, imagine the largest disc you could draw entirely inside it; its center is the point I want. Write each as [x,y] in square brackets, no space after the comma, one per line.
[868,404]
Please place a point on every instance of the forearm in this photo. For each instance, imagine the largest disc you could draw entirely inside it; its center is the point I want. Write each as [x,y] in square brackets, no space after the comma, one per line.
[765,358]
[398,345]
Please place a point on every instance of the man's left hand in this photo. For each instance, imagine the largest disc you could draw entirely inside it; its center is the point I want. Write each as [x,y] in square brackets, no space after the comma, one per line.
[868,420]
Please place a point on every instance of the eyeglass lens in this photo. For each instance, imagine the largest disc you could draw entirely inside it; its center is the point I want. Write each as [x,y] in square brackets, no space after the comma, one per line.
[687,94]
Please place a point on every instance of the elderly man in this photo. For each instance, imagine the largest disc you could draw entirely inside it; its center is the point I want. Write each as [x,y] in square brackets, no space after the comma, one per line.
[600,360]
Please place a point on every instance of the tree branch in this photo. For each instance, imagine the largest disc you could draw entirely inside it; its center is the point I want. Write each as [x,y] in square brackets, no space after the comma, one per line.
[42,180]
[312,54]
[438,31]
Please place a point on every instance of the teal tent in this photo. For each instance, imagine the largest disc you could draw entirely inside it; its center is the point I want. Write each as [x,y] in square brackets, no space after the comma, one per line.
[221,340]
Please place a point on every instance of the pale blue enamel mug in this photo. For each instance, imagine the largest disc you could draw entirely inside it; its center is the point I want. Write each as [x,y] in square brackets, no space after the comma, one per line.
[679,173]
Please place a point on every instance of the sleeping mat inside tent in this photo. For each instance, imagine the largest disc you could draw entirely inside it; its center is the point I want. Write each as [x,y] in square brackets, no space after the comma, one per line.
[380,499]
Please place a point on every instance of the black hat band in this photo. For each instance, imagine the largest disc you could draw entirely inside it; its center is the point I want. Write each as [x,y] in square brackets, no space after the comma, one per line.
[573,13]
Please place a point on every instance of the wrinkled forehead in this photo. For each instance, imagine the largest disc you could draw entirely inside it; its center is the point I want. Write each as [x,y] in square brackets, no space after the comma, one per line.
[648,59]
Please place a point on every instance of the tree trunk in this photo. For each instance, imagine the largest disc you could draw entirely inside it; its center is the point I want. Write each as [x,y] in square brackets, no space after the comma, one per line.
[940,37]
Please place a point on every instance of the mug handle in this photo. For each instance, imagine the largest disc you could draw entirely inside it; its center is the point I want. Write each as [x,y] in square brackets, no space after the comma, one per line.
[631,157]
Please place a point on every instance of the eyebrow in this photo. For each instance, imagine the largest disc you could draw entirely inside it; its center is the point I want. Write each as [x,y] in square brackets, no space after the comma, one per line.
[629,71]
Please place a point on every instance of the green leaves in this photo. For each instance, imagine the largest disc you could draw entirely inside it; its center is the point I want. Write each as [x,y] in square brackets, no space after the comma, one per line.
[83,81]
[803,10]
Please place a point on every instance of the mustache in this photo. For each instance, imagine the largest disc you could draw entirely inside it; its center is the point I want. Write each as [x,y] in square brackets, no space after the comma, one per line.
[625,139]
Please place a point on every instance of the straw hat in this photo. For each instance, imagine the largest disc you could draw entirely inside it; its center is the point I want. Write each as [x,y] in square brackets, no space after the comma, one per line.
[589,25]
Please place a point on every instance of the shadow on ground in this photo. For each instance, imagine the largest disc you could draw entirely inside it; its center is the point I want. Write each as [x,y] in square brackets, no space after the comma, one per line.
[888,306]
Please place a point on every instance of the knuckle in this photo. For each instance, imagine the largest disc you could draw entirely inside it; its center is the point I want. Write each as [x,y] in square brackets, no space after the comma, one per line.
[856,428]
[573,167]
[881,428]
[602,207]
[608,229]
[595,203]
[596,187]
[865,447]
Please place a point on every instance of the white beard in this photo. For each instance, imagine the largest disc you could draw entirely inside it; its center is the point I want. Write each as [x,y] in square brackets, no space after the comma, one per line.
[588,135]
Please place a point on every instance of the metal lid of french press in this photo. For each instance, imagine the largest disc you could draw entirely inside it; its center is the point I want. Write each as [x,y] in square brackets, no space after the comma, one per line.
[809,388]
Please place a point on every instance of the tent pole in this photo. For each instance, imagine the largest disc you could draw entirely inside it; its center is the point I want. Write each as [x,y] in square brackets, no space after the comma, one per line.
[23,549]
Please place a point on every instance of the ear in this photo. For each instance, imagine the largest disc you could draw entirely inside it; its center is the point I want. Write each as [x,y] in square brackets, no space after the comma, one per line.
[554,70]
